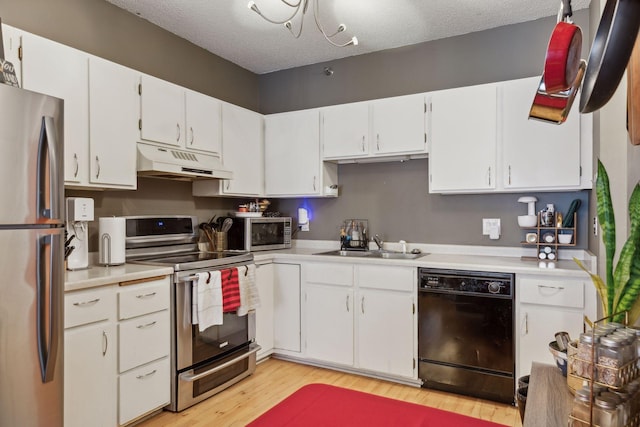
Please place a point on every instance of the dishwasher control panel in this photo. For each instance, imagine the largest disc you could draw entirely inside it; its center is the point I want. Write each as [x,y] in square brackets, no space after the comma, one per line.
[474,282]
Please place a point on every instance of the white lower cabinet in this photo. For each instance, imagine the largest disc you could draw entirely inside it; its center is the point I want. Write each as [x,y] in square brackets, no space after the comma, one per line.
[361,316]
[286,306]
[144,346]
[264,313]
[90,373]
[547,305]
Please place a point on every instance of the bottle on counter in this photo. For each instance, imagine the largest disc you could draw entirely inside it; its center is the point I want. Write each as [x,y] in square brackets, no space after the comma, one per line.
[355,234]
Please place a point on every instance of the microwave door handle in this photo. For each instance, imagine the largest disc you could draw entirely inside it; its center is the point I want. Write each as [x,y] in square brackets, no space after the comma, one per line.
[48,144]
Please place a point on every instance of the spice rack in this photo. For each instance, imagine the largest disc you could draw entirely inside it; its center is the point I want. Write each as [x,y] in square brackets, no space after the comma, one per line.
[547,236]
[584,366]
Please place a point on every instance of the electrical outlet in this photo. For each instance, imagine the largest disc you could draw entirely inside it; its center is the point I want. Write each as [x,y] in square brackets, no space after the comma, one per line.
[488,224]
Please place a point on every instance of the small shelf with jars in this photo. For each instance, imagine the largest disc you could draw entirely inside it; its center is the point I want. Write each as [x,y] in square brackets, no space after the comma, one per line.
[549,235]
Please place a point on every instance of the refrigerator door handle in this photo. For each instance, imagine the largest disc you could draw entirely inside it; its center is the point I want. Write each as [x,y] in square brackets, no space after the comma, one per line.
[48,313]
[48,144]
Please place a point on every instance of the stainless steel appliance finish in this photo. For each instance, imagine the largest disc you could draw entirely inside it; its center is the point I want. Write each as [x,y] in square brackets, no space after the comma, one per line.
[203,363]
[465,333]
[260,234]
[31,259]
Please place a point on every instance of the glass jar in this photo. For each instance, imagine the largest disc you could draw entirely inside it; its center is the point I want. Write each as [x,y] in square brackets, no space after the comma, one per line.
[610,358]
[624,405]
[587,349]
[581,409]
[605,412]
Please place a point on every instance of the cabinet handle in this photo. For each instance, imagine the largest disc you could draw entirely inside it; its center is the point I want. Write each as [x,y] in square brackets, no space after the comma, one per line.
[105,343]
[362,304]
[489,176]
[557,288]
[314,183]
[146,295]
[363,143]
[98,166]
[378,141]
[192,136]
[141,377]
[509,174]
[526,323]
[228,184]
[148,325]
[75,160]
[178,132]
[83,303]
[347,303]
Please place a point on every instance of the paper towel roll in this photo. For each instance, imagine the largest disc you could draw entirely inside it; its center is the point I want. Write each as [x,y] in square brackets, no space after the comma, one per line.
[111,236]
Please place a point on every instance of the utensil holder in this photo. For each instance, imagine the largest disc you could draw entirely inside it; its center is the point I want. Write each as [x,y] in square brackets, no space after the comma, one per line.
[220,241]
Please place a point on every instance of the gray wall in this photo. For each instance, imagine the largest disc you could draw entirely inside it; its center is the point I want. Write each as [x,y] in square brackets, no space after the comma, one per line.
[102,29]
[394,196]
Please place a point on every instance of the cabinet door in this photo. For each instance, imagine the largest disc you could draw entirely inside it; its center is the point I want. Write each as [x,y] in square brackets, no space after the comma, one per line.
[292,153]
[329,323]
[90,377]
[144,390]
[57,70]
[204,122]
[345,131]
[286,307]
[113,106]
[462,135]
[12,39]
[243,150]
[162,111]
[264,313]
[143,339]
[399,125]
[537,155]
[386,332]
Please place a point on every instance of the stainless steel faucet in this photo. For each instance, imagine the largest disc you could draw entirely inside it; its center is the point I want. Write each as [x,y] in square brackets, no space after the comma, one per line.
[378,241]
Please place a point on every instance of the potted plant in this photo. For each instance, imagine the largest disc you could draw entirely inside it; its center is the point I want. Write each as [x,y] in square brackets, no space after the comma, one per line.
[620,288]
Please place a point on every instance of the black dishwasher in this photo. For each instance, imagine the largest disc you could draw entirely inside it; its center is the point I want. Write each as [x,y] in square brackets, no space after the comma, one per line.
[465,332]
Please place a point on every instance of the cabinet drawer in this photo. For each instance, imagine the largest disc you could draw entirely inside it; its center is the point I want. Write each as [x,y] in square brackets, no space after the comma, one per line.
[333,274]
[136,300]
[88,306]
[143,340]
[558,292]
[144,389]
[384,277]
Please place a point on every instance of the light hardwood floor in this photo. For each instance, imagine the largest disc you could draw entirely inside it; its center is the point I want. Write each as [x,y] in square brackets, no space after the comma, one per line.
[276,379]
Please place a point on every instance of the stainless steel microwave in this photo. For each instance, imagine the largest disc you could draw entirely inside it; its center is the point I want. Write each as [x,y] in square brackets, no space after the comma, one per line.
[260,234]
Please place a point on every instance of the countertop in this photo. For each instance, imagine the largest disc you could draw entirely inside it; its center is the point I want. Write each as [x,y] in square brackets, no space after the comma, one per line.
[548,399]
[96,275]
[457,257]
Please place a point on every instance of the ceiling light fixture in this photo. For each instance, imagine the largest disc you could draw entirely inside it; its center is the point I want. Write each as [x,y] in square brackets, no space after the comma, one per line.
[302,5]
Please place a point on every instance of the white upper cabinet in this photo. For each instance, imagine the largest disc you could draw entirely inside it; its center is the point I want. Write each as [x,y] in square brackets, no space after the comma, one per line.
[243,154]
[162,111]
[113,106]
[345,130]
[398,125]
[203,122]
[57,70]
[462,135]
[537,154]
[292,155]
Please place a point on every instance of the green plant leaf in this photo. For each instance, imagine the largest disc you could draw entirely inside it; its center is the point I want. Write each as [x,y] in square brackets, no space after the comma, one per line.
[598,283]
[627,272]
[608,226]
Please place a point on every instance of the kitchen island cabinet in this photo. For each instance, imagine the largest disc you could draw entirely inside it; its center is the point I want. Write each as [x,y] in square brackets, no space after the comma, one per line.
[90,363]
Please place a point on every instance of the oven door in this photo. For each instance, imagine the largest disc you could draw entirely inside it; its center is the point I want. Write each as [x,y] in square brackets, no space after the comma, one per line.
[198,384]
[194,347]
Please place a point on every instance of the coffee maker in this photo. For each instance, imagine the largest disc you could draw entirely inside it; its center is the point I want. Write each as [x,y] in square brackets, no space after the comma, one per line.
[79,213]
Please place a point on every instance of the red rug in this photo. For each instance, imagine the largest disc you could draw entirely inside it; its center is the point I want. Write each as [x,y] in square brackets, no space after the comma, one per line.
[316,405]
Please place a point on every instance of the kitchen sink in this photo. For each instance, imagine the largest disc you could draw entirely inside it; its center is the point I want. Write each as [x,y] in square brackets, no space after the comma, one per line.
[373,254]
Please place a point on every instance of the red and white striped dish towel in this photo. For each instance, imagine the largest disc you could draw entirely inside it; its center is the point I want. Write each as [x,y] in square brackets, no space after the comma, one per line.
[230,290]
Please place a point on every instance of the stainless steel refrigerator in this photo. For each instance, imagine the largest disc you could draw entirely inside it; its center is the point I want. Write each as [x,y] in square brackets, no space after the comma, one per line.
[31,259]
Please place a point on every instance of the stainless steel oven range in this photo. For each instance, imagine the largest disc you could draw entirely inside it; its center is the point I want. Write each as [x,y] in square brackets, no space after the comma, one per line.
[203,363]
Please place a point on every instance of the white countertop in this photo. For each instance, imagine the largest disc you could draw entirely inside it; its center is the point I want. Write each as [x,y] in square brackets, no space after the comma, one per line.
[457,257]
[96,275]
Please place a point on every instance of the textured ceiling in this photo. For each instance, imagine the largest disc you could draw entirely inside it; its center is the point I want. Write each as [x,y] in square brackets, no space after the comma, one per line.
[229,29]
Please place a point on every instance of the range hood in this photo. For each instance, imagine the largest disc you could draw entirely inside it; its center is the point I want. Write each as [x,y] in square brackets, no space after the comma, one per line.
[170,163]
